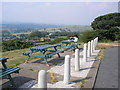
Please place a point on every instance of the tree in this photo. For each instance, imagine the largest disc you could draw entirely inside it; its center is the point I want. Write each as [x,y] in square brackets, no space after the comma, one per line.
[35,35]
[106,21]
[88,35]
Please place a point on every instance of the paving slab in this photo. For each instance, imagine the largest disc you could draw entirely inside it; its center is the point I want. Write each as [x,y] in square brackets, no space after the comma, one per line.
[84,68]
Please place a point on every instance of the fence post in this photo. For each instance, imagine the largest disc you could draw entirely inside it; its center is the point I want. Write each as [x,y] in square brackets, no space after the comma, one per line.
[85,53]
[93,45]
[89,47]
[67,70]
[42,79]
[97,41]
[77,61]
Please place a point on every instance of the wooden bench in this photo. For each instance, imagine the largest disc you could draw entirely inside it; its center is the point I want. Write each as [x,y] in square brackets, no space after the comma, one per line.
[45,53]
[6,72]
[53,53]
[49,55]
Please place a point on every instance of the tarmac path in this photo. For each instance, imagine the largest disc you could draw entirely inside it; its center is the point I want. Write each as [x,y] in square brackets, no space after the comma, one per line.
[108,71]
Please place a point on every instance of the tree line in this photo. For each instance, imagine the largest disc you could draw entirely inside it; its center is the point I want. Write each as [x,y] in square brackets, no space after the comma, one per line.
[106,27]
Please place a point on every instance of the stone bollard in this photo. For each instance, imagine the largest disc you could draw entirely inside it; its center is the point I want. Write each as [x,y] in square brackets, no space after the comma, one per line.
[97,41]
[77,61]
[42,79]
[85,53]
[67,70]
[93,45]
[89,48]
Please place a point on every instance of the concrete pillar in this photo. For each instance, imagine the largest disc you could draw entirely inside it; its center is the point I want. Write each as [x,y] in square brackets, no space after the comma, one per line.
[67,70]
[96,41]
[85,53]
[77,61]
[89,49]
[42,79]
[93,45]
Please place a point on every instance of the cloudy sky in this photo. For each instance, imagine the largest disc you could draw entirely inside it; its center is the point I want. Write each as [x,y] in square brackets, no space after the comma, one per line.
[70,13]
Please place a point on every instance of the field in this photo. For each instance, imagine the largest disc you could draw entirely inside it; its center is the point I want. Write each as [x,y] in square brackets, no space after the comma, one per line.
[61,29]
[16,57]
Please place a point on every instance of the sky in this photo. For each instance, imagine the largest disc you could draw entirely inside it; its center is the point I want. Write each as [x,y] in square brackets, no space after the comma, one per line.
[68,13]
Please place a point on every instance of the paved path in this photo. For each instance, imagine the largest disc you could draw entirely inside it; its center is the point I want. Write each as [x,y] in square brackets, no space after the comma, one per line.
[108,71]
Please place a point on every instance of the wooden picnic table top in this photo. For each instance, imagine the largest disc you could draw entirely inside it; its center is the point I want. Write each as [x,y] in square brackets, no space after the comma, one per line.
[66,40]
[44,47]
[3,59]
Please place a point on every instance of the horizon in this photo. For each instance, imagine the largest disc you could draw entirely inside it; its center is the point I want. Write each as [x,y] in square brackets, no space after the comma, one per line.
[57,13]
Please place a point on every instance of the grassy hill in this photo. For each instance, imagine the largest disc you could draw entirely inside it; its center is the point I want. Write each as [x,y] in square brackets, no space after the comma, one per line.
[61,29]
[68,29]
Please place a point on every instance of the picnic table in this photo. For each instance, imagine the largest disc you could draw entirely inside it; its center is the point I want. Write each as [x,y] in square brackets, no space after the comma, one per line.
[66,42]
[6,72]
[69,44]
[44,51]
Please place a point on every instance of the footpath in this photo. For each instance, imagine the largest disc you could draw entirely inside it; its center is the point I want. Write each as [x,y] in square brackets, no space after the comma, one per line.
[107,76]
[76,77]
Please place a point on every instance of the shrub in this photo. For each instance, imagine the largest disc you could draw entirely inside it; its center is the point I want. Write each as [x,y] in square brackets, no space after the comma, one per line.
[88,35]
[15,44]
[58,40]
[104,35]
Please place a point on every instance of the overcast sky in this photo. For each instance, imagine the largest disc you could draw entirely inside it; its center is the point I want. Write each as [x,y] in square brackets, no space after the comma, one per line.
[70,13]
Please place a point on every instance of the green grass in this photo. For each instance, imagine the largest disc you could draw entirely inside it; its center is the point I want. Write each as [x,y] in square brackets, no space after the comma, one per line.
[53,78]
[82,83]
[31,69]
[101,54]
[16,57]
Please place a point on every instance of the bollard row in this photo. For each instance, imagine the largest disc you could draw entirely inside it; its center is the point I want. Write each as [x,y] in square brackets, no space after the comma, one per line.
[87,52]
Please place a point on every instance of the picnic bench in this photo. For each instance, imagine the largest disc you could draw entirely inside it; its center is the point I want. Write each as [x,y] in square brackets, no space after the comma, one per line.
[45,52]
[6,72]
[69,43]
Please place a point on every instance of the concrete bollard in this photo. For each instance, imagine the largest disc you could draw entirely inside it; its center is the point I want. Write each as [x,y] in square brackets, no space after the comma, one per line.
[96,41]
[77,61]
[42,79]
[67,70]
[91,47]
[89,51]
[85,53]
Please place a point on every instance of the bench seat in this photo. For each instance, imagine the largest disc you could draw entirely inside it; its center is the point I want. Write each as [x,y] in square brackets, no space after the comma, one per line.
[53,53]
[9,71]
[26,53]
